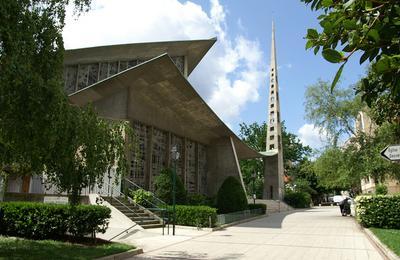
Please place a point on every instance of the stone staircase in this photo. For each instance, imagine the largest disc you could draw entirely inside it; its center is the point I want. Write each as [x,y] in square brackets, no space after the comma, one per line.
[273,206]
[143,217]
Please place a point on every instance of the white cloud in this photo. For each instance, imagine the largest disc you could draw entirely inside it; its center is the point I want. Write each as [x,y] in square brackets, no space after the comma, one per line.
[229,76]
[312,136]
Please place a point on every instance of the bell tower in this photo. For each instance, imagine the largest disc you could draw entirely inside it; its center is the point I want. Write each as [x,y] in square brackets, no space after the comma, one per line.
[273,162]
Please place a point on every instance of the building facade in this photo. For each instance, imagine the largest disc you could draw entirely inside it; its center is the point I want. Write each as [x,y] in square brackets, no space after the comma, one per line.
[365,124]
[146,85]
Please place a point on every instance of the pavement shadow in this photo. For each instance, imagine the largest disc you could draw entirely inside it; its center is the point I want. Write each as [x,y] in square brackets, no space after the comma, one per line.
[186,255]
[273,220]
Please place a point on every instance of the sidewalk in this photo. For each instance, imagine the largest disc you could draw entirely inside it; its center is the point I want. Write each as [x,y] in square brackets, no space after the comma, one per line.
[318,233]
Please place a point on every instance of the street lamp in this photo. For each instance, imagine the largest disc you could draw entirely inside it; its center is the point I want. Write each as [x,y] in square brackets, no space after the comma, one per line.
[175,157]
[254,175]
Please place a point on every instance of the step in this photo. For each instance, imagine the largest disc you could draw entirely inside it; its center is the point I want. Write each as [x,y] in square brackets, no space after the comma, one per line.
[147,222]
[151,226]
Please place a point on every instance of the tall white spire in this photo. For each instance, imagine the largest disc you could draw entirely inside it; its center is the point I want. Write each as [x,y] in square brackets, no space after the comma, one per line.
[274,121]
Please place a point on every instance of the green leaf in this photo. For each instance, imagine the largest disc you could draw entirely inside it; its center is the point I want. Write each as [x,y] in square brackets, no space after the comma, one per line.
[350,24]
[348,4]
[374,34]
[364,57]
[337,77]
[312,34]
[368,5]
[316,49]
[309,44]
[327,3]
[348,48]
[382,65]
[332,56]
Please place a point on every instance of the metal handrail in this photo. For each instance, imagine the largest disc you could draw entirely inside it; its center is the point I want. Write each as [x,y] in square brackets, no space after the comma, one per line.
[155,206]
[109,186]
[162,219]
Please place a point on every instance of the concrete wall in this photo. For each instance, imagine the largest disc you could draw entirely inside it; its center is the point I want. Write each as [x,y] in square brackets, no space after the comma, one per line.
[222,163]
[271,183]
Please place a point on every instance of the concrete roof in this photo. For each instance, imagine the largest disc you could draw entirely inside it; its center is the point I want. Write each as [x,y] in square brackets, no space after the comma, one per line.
[193,49]
[155,93]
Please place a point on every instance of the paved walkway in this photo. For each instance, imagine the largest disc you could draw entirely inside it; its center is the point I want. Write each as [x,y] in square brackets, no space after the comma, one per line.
[319,233]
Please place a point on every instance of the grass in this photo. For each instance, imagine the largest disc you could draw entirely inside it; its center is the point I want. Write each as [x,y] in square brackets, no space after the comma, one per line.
[390,237]
[18,248]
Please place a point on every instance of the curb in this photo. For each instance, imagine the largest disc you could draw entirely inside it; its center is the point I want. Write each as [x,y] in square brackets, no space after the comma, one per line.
[383,248]
[238,222]
[123,255]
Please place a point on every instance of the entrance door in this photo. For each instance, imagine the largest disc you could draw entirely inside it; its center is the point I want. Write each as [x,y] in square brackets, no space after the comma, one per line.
[271,190]
[26,180]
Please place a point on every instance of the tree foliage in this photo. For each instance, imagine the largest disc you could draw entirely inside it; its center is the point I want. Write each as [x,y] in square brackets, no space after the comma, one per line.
[255,136]
[343,168]
[334,112]
[371,28]
[163,187]
[40,132]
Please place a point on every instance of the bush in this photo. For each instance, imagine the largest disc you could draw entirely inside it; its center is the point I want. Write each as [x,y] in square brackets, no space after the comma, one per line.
[163,187]
[231,196]
[142,197]
[258,206]
[297,199]
[379,211]
[197,216]
[51,221]
[196,199]
[381,189]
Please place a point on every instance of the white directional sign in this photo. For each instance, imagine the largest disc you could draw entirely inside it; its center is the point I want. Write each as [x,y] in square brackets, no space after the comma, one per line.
[391,152]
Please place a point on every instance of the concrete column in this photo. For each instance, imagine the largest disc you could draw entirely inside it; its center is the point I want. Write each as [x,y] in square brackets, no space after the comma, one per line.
[197,180]
[184,163]
[272,189]
[222,162]
[168,150]
[149,158]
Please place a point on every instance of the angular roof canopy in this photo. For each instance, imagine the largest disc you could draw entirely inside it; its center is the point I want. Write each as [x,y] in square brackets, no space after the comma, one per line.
[155,93]
[193,49]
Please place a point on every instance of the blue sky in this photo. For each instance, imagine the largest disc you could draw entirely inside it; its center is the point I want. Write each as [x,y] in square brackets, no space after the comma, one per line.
[232,78]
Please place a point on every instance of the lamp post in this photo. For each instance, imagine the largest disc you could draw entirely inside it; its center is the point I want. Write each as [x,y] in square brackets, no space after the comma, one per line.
[175,157]
[254,187]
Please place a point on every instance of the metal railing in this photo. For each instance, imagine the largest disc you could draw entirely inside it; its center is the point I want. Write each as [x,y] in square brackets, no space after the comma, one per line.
[239,215]
[161,214]
[152,203]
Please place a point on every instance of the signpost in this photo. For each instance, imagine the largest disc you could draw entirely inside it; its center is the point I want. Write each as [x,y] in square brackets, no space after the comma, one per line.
[391,152]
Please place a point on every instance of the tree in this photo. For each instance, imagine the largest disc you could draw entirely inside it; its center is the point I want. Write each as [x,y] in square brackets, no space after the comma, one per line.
[371,28]
[334,172]
[334,112]
[163,187]
[255,136]
[40,132]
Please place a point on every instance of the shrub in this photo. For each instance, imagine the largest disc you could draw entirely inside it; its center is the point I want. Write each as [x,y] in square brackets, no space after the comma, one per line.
[51,221]
[258,206]
[231,196]
[163,187]
[196,199]
[198,216]
[381,189]
[378,211]
[297,199]
[142,197]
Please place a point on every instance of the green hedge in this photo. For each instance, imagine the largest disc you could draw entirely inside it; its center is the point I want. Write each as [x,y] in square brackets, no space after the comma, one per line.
[382,211]
[258,206]
[51,221]
[297,199]
[231,196]
[197,216]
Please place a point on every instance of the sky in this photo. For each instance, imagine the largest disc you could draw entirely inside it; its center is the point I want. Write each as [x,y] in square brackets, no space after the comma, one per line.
[232,78]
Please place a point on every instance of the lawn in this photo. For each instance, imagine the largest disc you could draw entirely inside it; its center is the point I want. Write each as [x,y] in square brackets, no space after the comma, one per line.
[18,248]
[390,237]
